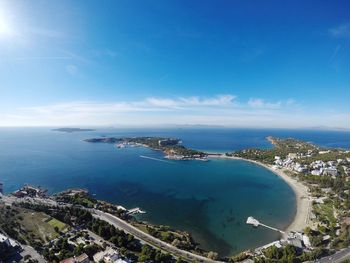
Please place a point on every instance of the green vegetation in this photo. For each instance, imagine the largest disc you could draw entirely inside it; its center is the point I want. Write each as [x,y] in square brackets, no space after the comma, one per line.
[80,198]
[282,148]
[114,235]
[179,239]
[60,249]
[27,226]
[289,254]
[182,150]
[170,146]
[325,213]
[149,254]
[239,257]
[57,224]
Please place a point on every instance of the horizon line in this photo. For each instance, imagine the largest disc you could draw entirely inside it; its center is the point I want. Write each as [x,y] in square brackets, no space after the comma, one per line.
[164,126]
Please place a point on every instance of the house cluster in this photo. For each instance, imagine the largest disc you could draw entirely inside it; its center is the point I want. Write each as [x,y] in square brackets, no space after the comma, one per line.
[290,163]
[297,239]
[318,167]
[109,255]
[30,191]
[324,168]
[83,258]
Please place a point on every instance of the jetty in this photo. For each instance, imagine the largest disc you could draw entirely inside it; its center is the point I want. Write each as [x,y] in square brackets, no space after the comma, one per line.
[254,222]
[155,159]
[136,210]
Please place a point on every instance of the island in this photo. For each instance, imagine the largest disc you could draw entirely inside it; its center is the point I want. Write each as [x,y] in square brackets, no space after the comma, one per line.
[171,147]
[70,130]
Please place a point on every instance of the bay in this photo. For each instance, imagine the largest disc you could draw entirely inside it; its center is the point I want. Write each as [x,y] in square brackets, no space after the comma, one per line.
[211,199]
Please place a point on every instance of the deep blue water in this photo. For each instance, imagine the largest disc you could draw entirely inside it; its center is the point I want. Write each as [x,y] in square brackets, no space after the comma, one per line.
[209,199]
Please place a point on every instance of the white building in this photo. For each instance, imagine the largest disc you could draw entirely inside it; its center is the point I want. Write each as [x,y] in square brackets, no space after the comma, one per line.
[109,256]
[317,172]
[330,171]
[306,241]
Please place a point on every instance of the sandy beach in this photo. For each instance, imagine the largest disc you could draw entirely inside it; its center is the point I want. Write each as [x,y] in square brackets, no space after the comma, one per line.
[303,198]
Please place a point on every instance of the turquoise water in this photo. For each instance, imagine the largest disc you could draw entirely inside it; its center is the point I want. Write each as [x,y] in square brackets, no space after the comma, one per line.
[209,199]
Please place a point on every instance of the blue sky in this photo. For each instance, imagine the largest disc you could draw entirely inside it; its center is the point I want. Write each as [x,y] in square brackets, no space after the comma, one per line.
[234,63]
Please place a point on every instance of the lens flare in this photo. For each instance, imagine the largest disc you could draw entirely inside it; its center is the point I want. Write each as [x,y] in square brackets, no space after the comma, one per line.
[5,27]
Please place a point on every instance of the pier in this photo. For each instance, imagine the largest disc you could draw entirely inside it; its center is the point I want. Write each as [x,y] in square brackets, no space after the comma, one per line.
[136,210]
[254,222]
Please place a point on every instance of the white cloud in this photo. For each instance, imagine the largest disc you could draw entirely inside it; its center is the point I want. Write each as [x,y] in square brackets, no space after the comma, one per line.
[340,31]
[161,102]
[217,110]
[262,104]
[220,100]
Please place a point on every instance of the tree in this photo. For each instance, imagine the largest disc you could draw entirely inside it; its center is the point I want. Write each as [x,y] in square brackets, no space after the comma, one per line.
[307,231]
[147,253]
[273,252]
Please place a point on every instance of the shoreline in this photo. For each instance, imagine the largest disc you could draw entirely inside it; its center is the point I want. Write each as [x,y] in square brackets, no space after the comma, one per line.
[303,198]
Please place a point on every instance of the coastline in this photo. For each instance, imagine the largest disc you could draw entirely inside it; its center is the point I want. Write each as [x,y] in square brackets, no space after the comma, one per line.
[303,198]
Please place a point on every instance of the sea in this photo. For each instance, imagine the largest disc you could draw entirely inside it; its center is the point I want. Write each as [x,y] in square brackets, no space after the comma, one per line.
[211,200]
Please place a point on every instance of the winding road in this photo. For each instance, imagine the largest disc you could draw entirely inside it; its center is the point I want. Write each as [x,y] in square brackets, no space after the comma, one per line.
[121,224]
[338,257]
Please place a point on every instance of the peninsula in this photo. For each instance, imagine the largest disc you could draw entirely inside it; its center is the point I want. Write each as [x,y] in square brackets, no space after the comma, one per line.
[171,147]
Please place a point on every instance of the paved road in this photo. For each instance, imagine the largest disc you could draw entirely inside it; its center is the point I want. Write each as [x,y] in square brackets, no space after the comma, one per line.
[337,257]
[28,250]
[121,224]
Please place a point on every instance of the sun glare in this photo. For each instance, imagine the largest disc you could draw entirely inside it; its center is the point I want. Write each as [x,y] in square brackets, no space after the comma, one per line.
[5,27]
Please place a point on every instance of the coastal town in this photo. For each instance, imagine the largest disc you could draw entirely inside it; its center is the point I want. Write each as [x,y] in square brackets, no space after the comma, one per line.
[72,226]
[320,179]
